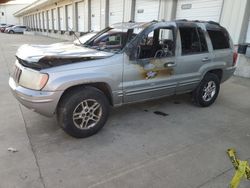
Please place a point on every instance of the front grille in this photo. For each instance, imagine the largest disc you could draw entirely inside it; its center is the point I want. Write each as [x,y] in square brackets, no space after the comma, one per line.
[17,74]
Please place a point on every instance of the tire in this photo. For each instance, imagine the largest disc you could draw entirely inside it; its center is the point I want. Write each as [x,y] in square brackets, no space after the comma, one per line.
[87,102]
[207,91]
[11,32]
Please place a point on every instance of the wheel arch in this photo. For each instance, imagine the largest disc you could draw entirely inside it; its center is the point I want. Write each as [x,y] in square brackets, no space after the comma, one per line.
[217,72]
[102,86]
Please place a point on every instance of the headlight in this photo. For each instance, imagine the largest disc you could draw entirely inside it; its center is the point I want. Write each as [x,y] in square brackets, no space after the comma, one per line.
[33,79]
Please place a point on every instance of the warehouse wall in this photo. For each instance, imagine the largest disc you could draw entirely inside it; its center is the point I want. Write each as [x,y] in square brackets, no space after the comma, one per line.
[235,16]
[31,17]
[167,10]
[7,11]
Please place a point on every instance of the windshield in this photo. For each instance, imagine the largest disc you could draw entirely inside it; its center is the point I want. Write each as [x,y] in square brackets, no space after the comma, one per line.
[112,39]
[84,38]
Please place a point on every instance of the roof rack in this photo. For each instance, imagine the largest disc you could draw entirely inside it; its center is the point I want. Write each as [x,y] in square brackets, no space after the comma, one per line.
[198,21]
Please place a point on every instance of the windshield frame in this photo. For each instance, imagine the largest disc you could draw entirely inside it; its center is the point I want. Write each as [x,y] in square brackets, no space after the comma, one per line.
[127,39]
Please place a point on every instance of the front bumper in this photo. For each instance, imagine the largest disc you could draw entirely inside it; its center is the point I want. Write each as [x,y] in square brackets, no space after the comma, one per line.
[43,102]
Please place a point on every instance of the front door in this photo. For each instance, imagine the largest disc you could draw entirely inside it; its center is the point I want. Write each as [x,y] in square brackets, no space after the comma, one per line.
[152,73]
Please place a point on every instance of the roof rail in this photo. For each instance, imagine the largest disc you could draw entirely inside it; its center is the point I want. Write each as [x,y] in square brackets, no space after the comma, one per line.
[185,20]
[213,22]
[199,21]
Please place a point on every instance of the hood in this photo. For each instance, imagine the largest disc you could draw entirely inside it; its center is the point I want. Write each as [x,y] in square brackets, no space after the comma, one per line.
[45,56]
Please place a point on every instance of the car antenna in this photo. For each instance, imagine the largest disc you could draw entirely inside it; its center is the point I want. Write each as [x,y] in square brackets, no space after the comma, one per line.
[75,35]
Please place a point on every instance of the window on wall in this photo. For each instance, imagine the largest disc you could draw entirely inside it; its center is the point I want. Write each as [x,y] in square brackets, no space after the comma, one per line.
[192,40]
[219,39]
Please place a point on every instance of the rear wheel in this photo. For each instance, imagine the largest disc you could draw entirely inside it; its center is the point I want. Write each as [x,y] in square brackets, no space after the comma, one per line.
[11,32]
[83,112]
[207,91]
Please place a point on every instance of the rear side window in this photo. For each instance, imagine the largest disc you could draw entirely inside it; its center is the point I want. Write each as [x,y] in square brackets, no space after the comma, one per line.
[192,40]
[219,39]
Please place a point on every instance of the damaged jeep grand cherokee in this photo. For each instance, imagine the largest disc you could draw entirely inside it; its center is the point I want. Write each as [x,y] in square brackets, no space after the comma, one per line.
[124,63]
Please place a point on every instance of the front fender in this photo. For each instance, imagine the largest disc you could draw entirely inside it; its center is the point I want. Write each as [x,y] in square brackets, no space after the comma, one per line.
[74,78]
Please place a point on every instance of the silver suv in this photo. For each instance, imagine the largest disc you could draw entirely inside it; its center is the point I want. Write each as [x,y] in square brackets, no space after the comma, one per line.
[16,29]
[124,63]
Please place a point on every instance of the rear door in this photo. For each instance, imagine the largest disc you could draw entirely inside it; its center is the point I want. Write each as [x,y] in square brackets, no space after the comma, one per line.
[22,29]
[193,54]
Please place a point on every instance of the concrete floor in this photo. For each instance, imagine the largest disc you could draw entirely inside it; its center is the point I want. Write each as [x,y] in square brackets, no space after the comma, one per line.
[136,148]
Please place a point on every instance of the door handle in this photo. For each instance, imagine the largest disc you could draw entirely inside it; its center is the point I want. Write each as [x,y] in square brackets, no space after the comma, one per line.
[205,59]
[170,64]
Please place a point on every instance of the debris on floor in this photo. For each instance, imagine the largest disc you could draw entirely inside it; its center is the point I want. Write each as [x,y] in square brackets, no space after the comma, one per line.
[160,113]
[177,102]
[242,169]
[13,150]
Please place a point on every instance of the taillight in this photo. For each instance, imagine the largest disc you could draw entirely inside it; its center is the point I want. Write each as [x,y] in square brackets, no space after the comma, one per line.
[235,57]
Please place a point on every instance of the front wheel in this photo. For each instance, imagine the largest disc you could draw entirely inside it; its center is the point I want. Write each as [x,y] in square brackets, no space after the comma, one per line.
[207,91]
[11,32]
[83,112]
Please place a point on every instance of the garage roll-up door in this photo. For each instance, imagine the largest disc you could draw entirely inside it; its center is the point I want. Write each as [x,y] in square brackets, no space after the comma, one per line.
[248,33]
[115,11]
[39,20]
[80,16]
[55,19]
[43,21]
[46,20]
[62,19]
[50,19]
[36,23]
[95,15]
[199,9]
[146,10]
[69,9]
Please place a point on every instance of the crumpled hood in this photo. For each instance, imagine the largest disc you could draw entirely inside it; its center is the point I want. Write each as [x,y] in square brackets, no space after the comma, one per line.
[32,54]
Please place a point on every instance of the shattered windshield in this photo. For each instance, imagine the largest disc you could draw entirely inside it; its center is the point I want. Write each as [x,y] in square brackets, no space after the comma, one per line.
[112,39]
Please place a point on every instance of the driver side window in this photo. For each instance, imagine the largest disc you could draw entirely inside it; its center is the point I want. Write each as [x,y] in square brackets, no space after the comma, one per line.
[159,43]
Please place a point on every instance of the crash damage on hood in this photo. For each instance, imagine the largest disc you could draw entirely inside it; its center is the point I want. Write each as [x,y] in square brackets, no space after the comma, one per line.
[46,56]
